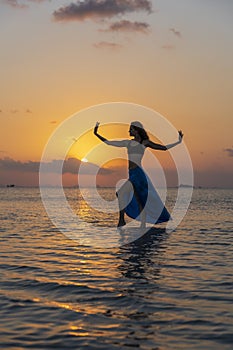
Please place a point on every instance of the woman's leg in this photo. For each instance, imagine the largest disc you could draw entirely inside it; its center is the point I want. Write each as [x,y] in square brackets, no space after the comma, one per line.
[121,194]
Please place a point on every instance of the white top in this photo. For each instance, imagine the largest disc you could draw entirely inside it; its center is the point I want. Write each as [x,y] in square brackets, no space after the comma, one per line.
[135,149]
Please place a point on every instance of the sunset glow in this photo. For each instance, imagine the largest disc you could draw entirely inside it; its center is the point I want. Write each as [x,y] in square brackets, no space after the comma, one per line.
[154,56]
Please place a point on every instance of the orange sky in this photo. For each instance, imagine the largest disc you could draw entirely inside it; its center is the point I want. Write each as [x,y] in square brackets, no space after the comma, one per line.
[175,57]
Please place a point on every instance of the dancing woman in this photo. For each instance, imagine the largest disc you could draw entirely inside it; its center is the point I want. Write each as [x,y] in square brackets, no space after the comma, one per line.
[137,197]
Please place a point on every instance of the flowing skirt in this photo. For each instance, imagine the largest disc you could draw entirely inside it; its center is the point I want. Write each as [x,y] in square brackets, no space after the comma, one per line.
[147,196]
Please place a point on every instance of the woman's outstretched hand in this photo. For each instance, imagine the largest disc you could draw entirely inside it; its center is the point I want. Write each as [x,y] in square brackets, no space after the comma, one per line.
[180,135]
[96,127]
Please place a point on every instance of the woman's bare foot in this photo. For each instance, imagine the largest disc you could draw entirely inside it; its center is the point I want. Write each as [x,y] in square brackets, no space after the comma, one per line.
[121,223]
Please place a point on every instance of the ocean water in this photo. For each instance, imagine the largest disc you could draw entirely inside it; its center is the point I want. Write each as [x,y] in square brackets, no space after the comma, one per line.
[165,291]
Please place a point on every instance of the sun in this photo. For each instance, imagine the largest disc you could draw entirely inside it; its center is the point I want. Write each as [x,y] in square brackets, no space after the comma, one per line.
[84,160]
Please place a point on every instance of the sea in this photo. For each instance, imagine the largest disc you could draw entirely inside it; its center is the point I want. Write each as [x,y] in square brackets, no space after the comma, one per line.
[167,290]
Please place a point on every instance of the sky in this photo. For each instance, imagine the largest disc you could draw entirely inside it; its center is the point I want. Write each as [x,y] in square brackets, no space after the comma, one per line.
[60,57]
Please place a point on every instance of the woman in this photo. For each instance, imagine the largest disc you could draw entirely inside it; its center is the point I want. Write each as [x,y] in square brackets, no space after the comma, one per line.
[137,197]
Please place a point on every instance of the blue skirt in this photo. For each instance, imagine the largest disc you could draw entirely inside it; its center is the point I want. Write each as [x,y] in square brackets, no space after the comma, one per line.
[148,198]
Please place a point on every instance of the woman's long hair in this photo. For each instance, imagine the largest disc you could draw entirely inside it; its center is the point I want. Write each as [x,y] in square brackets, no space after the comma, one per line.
[141,131]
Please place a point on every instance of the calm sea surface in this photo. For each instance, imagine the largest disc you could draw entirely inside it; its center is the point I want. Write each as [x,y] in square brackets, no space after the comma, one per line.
[168,291]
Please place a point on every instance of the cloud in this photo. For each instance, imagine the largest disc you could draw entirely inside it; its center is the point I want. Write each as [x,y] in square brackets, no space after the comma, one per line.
[96,9]
[229,151]
[10,164]
[69,166]
[107,45]
[175,32]
[75,166]
[128,26]
[168,47]
[21,4]
[16,4]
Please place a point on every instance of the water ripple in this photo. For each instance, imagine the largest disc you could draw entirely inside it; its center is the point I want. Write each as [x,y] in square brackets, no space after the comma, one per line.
[163,292]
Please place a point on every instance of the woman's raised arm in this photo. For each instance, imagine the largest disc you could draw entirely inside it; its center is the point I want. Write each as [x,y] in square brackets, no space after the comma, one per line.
[116,143]
[158,146]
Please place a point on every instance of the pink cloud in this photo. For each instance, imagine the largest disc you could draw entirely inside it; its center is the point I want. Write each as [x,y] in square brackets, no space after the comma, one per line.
[128,26]
[92,9]
[107,45]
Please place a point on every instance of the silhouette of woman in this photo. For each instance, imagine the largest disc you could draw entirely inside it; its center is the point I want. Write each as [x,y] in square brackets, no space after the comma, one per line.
[138,197]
